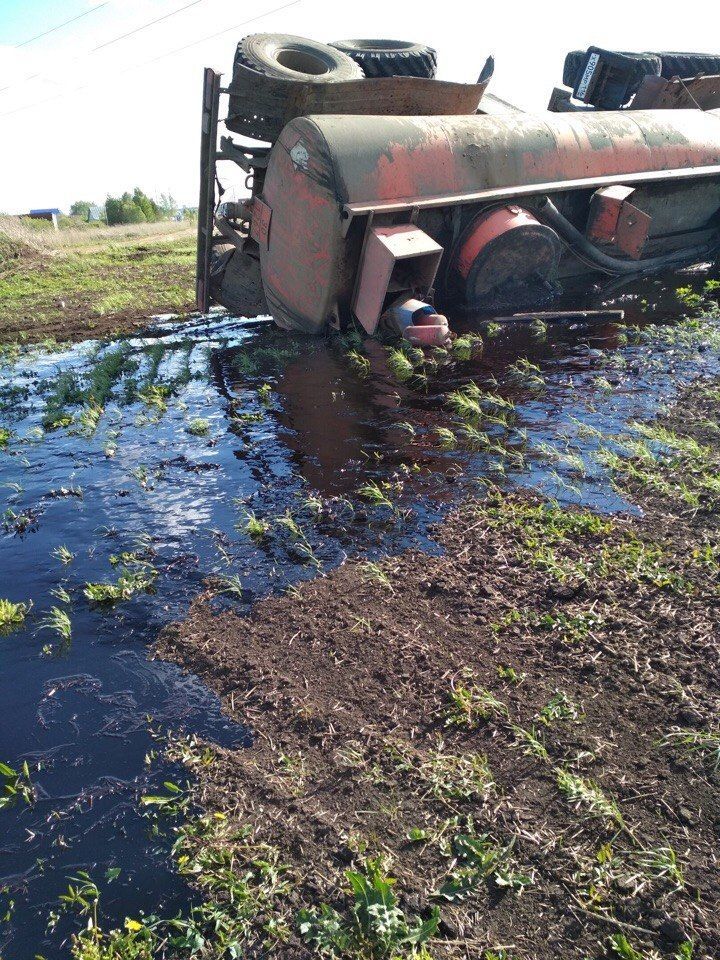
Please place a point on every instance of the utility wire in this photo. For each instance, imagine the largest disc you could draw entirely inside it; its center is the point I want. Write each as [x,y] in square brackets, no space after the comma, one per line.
[106,43]
[65,23]
[145,26]
[162,56]
[212,36]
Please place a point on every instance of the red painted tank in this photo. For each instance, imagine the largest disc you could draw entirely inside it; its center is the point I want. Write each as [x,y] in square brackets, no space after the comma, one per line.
[327,174]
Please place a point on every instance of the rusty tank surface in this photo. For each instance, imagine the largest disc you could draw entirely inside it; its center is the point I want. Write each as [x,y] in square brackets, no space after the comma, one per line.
[386,220]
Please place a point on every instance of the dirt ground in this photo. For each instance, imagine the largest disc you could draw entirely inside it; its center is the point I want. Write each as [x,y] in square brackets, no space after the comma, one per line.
[102,283]
[522,731]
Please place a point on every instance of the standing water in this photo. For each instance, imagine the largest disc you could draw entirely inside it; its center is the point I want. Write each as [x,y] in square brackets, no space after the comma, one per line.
[129,474]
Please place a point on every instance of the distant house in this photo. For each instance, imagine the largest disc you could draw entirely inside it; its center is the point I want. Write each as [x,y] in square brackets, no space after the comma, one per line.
[47,213]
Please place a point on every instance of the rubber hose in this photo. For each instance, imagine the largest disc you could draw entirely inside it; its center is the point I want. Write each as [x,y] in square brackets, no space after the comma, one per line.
[580,245]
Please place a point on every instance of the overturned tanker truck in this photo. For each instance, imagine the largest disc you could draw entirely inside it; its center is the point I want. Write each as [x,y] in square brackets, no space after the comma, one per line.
[384,197]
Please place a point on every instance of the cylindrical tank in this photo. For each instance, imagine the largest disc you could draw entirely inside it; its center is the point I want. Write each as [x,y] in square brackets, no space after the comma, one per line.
[320,163]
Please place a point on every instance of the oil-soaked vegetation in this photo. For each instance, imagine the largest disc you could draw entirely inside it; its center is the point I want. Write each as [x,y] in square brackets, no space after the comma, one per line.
[458,611]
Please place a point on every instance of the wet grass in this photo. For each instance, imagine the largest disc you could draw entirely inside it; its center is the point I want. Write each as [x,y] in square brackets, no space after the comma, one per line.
[72,294]
[12,615]
[15,786]
[129,582]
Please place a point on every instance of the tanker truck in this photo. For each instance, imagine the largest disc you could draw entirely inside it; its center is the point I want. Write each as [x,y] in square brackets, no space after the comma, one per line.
[382,197]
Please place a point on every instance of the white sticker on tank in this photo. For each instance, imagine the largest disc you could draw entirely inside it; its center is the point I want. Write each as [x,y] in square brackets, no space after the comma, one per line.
[299,155]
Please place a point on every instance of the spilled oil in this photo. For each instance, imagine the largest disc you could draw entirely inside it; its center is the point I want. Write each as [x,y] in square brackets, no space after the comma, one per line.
[173,485]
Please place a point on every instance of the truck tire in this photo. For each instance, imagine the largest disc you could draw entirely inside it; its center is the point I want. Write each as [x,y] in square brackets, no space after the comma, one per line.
[286,57]
[688,64]
[235,281]
[647,65]
[390,58]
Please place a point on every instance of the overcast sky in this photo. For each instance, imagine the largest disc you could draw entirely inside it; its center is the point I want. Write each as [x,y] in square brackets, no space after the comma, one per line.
[85,111]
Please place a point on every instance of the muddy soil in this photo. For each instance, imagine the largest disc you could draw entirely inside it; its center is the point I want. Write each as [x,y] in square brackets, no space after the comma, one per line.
[541,687]
[69,316]
[110,290]
[71,324]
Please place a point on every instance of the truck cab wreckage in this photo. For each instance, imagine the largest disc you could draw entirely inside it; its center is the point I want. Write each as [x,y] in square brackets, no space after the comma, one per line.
[383,199]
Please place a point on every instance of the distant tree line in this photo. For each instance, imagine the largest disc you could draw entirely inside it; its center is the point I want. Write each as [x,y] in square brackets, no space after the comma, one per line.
[81,208]
[135,207]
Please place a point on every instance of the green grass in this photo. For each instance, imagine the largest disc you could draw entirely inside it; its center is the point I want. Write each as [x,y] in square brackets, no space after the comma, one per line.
[467,346]
[377,927]
[12,614]
[90,392]
[59,622]
[470,704]
[74,290]
[446,438]
[155,396]
[114,302]
[671,464]
[464,405]
[255,527]
[449,776]
[359,363]
[63,554]
[704,743]
[399,364]
[15,786]
[229,584]
[198,427]
[374,572]
[128,583]
[586,795]
[559,707]
[374,494]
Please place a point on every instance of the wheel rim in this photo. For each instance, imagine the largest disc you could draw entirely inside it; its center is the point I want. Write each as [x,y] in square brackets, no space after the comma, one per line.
[302,61]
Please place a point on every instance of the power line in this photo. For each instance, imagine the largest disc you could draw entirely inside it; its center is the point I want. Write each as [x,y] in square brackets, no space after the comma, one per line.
[212,36]
[162,56]
[145,26]
[65,23]
[108,43]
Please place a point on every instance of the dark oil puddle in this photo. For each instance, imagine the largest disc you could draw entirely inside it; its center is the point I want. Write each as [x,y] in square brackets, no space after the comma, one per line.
[174,486]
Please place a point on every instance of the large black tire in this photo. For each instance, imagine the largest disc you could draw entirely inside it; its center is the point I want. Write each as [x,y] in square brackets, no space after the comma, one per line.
[390,58]
[235,281]
[646,65]
[286,57]
[689,64]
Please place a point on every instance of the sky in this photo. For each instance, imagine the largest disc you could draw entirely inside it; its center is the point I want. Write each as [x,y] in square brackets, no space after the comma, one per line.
[86,111]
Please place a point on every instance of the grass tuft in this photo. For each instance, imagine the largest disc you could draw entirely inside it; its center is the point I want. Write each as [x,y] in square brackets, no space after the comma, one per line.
[12,615]
[198,427]
[377,927]
[704,743]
